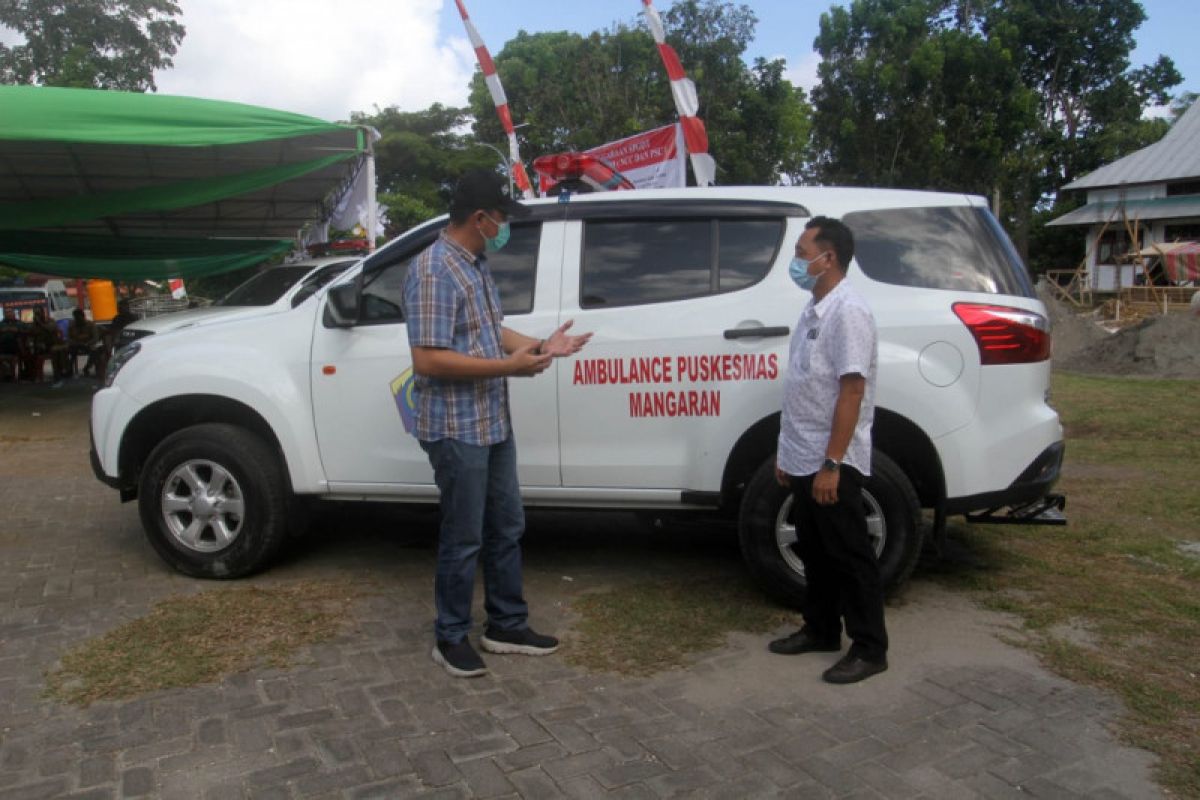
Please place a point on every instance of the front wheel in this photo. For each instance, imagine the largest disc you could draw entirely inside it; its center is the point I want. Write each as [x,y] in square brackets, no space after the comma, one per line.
[214,501]
[767,533]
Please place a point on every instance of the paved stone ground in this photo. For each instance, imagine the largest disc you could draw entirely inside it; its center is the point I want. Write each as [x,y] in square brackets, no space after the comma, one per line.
[959,715]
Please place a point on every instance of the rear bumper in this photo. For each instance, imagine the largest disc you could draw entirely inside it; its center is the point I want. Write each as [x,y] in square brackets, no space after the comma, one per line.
[1034,483]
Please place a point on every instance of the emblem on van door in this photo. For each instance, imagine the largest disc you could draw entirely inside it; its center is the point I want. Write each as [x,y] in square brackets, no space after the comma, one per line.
[402,392]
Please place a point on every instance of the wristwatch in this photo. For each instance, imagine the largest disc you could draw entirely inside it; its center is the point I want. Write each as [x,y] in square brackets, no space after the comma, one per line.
[830,465]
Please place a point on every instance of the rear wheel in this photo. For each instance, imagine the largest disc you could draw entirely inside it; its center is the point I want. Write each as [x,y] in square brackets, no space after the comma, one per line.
[767,533]
[214,501]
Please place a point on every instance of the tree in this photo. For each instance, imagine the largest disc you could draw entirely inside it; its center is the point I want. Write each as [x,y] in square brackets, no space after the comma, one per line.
[1074,54]
[1015,97]
[1180,105]
[95,44]
[911,96]
[574,92]
[418,158]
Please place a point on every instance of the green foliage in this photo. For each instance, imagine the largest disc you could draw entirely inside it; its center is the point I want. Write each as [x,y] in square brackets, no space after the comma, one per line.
[418,159]
[573,92]
[1012,96]
[90,44]
[910,98]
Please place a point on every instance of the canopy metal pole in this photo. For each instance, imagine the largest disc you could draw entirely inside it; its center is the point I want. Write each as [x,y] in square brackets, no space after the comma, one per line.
[372,213]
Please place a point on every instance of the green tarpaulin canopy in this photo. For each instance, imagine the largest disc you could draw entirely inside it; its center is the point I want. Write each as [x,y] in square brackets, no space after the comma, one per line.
[123,186]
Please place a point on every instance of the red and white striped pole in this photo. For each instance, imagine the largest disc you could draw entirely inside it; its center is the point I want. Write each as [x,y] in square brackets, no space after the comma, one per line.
[498,97]
[686,103]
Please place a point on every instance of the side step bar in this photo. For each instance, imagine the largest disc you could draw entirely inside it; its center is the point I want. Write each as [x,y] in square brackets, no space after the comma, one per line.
[1047,511]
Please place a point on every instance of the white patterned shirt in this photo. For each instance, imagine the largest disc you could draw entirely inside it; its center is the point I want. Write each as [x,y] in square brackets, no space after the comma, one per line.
[834,337]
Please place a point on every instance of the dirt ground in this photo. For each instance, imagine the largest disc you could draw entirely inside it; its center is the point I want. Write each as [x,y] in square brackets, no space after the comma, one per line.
[1156,347]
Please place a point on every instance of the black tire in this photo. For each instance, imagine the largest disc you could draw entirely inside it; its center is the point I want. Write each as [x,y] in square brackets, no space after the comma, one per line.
[893,512]
[239,522]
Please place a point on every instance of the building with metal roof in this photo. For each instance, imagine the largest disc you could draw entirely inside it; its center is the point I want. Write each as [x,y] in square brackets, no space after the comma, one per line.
[1149,196]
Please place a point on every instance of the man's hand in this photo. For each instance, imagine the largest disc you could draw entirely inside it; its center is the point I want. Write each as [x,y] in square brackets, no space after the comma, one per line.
[525,363]
[825,486]
[560,344]
[782,478]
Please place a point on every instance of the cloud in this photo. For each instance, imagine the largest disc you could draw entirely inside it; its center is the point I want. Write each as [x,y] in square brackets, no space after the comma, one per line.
[804,73]
[319,58]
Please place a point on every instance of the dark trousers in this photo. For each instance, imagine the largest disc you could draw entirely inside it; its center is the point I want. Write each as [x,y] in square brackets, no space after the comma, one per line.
[840,566]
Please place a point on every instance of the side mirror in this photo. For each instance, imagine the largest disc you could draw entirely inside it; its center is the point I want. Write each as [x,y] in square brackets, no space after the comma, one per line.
[343,302]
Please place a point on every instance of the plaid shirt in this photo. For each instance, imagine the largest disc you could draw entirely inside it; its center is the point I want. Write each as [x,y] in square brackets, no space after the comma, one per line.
[451,302]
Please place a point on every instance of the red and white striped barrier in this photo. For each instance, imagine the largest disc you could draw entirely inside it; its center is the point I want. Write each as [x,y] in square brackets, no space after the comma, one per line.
[686,102]
[499,98]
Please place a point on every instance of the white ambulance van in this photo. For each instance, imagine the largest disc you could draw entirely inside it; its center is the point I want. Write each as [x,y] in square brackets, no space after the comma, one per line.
[219,431]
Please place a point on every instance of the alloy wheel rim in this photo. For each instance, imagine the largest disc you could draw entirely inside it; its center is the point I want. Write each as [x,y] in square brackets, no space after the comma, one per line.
[785,531]
[203,506]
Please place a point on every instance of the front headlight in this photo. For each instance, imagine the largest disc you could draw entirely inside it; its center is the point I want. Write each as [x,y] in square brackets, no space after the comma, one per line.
[120,359]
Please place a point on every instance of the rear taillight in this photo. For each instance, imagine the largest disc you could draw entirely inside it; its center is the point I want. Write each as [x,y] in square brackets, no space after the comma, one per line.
[1006,335]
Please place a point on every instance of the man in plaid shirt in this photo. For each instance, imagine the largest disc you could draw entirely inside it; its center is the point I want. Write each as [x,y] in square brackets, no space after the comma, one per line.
[462,356]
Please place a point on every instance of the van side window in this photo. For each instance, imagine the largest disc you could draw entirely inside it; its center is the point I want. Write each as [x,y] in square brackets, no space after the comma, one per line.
[656,261]
[513,269]
[957,248]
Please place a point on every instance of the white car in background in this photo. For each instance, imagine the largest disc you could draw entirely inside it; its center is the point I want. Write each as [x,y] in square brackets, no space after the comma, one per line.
[272,290]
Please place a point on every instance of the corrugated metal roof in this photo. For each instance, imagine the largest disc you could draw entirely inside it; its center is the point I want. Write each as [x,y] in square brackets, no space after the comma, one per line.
[1176,156]
[1158,208]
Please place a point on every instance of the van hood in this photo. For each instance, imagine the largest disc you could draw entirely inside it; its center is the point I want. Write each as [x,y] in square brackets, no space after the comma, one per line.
[196,316]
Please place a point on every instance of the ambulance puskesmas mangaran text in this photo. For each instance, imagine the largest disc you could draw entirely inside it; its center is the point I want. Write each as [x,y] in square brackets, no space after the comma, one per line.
[693,369]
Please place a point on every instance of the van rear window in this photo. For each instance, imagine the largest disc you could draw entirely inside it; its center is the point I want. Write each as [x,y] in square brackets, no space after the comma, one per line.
[959,248]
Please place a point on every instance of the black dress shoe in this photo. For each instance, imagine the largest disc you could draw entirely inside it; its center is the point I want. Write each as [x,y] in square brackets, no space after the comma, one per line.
[802,642]
[852,669]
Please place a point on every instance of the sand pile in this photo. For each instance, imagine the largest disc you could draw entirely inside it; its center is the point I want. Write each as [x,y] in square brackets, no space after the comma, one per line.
[1070,331]
[1159,347]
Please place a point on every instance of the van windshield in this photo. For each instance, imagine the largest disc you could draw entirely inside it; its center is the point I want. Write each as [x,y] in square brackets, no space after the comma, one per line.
[15,295]
[266,287]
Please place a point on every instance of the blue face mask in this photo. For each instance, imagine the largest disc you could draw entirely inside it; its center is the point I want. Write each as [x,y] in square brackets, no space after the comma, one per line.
[798,270]
[494,243]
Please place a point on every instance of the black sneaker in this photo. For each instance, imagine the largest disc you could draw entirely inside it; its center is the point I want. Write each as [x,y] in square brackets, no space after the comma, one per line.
[460,659]
[524,641]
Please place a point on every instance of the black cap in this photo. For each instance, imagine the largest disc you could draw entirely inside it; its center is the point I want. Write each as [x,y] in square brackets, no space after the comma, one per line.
[481,189]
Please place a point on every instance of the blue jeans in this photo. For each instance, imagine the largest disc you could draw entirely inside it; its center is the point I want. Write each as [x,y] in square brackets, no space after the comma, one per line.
[481,510]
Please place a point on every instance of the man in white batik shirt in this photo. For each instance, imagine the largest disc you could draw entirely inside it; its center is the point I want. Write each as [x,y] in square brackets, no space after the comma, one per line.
[824,454]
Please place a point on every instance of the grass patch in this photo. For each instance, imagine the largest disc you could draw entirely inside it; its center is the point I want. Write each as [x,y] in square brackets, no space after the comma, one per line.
[1117,569]
[200,638]
[650,626]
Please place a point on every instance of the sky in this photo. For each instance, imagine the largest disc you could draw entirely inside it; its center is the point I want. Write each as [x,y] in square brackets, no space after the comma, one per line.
[327,59]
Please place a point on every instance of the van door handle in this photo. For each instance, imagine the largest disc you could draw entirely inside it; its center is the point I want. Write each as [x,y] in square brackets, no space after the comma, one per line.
[754,333]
